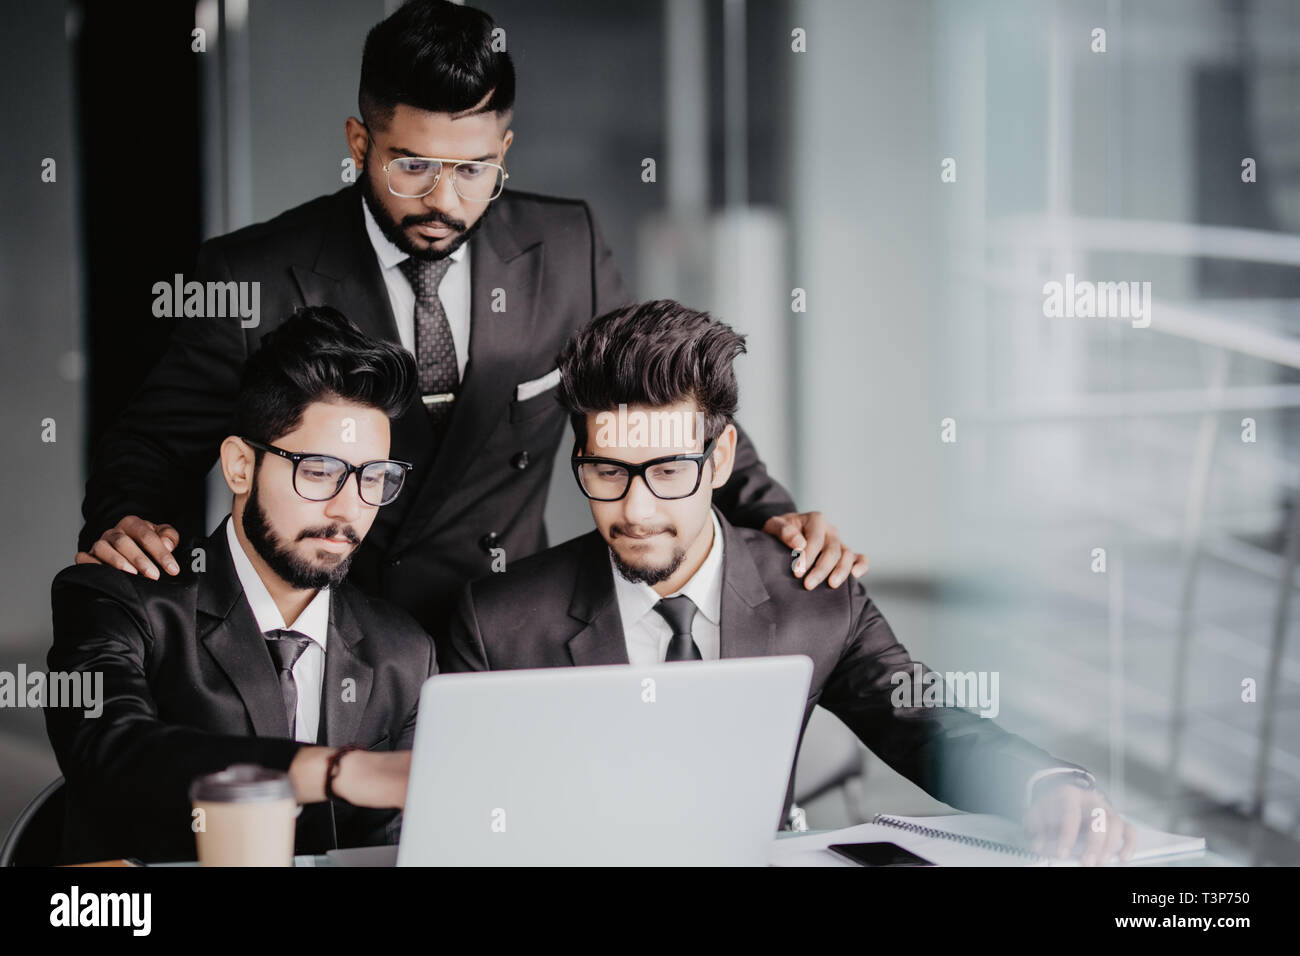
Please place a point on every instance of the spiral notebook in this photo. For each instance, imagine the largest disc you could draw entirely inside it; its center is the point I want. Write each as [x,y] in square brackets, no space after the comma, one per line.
[962,839]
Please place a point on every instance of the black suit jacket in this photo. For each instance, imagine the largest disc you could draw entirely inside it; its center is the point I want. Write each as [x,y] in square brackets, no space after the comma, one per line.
[544,258]
[558,609]
[190,688]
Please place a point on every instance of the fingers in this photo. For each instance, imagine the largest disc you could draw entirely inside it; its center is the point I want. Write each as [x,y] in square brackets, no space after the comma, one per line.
[1035,829]
[106,553]
[1115,827]
[1130,842]
[788,528]
[819,554]
[133,542]
[1095,846]
[860,566]
[84,558]
[158,546]
[848,561]
[1069,821]
[815,552]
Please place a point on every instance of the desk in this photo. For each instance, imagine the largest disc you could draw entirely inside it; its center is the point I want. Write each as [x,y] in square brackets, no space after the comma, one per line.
[382,856]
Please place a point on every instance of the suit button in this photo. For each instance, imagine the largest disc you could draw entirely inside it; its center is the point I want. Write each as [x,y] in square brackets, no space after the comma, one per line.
[395,562]
[488,541]
[520,460]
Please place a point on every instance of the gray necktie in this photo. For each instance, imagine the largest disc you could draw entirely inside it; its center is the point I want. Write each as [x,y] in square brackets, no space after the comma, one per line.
[286,647]
[679,612]
[435,349]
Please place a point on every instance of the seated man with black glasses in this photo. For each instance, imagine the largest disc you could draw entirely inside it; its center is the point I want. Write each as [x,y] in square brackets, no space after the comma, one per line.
[651,395]
[259,651]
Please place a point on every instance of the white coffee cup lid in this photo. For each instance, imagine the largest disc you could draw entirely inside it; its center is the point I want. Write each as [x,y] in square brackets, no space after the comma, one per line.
[242,783]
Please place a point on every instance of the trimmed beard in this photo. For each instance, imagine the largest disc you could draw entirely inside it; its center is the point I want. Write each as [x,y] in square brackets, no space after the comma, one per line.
[650,576]
[287,564]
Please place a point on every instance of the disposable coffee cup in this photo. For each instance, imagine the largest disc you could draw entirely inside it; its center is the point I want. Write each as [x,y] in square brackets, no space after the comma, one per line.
[244,816]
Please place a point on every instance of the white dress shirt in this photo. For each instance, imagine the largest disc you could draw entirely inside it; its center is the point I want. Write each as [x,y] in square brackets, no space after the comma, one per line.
[644,629]
[313,622]
[453,291]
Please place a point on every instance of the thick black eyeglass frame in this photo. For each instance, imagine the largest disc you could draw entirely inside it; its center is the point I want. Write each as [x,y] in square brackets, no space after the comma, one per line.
[298,456]
[634,471]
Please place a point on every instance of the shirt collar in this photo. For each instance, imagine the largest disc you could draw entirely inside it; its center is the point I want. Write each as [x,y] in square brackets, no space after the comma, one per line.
[388,253]
[313,621]
[636,598]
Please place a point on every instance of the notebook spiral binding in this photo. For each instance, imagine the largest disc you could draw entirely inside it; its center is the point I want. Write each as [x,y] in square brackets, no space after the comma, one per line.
[886,820]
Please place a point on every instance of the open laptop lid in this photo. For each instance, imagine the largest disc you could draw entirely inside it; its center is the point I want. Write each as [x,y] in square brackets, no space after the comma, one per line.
[677,764]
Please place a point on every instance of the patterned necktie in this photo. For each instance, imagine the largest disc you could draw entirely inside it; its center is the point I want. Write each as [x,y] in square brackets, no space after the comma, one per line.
[679,612]
[435,349]
[286,647]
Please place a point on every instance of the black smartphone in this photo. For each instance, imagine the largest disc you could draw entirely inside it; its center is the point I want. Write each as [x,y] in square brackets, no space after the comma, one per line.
[878,854]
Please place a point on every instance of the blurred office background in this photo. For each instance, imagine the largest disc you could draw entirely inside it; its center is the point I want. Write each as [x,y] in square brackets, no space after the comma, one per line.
[801,194]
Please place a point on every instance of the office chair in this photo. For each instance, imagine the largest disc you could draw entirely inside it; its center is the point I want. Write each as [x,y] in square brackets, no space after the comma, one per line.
[35,837]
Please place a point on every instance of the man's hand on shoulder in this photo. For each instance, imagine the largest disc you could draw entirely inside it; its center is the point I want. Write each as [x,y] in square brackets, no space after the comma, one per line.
[819,547]
[134,545]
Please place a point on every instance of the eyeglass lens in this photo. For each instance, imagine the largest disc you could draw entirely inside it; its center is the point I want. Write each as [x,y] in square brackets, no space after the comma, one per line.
[412,177]
[320,478]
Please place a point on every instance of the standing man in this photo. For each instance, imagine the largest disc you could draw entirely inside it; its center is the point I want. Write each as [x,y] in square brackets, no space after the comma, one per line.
[481,283]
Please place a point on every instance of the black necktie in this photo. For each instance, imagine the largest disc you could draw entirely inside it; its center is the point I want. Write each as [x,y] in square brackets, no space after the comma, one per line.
[679,612]
[435,349]
[286,647]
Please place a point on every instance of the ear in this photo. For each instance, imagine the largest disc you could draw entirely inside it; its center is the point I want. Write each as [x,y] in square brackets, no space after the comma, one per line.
[505,143]
[356,134]
[237,465]
[724,456]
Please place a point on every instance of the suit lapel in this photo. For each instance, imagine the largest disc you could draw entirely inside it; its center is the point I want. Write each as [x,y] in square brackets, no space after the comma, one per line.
[346,272]
[747,628]
[345,690]
[504,267]
[600,639]
[227,628]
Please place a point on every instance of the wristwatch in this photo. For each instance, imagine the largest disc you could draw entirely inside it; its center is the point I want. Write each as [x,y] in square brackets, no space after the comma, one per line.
[1080,778]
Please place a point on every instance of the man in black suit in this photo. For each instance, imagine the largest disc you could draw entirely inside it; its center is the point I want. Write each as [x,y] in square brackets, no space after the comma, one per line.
[482,283]
[258,651]
[651,396]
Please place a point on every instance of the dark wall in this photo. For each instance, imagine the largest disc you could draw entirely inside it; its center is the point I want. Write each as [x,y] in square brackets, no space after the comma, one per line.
[138,131]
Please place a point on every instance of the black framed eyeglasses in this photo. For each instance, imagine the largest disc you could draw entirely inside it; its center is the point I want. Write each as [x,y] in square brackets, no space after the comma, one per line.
[670,477]
[321,477]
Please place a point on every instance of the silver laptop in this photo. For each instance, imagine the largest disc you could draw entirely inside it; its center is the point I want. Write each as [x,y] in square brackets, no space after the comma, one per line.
[678,764]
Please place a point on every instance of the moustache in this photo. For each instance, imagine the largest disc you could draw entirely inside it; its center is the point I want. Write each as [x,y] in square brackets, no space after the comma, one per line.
[431,218]
[333,531]
[632,531]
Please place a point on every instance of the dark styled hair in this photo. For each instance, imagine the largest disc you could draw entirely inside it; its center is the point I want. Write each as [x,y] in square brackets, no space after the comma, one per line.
[318,355]
[653,354]
[436,56]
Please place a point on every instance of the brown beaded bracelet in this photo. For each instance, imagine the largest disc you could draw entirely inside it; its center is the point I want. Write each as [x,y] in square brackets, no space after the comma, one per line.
[332,769]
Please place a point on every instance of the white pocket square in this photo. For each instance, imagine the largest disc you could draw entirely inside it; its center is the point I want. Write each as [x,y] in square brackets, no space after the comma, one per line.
[526,390]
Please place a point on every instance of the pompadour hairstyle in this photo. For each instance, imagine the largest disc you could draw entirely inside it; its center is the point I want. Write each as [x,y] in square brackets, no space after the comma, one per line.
[318,355]
[651,354]
[436,56]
